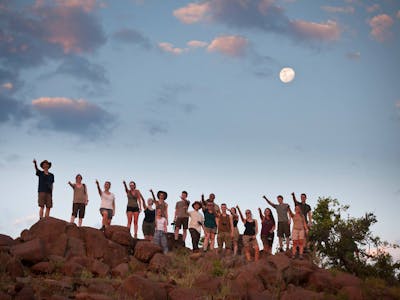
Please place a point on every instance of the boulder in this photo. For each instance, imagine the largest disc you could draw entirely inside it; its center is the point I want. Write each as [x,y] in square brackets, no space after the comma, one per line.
[119,234]
[182,293]
[29,252]
[100,287]
[115,254]
[159,263]
[43,267]
[99,268]
[48,229]
[352,292]
[91,296]
[75,247]
[299,293]
[136,265]
[248,280]
[137,287]
[122,270]
[207,283]
[145,250]
[280,261]
[95,242]
[6,241]
[321,280]
[56,246]
[71,230]
[298,273]
[72,269]
[14,268]
[25,293]
[4,296]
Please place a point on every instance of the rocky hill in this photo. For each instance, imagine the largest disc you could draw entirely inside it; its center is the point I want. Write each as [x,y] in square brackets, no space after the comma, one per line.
[57,260]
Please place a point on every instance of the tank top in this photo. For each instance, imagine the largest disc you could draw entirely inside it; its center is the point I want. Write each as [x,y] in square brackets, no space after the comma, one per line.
[267,225]
[107,200]
[149,215]
[209,220]
[250,228]
[235,222]
[163,207]
[132,200]
[80,194]
[224,224]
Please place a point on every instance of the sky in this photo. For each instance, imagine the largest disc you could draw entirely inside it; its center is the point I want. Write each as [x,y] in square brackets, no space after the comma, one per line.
[181,95]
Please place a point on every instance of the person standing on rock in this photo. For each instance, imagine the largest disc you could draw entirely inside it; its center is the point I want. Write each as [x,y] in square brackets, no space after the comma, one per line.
[282,210]
[195,224]
[160,235]
[225,229]
[299,231]
[181,218]
[133,208]
[305,210]
[211,199]
[160,203]
[210,224]
[107,207]
[148,225]
[235,221]
[250,235]
[80,199]
[267,229]
[45,188]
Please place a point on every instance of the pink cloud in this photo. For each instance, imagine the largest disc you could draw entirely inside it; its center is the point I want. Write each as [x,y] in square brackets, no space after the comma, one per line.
[85,5]
[380,27]
[338,9]
[49,103]
[328,31]
[398,104]
[8,86]
[229,45]
[168,47]
[398,14]
[192,13]
[373,8]
[197,44]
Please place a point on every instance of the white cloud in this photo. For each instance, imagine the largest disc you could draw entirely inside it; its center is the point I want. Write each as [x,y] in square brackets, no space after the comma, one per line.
[231,45]
[328,31]
[168,47]
[192,13]
[197,44]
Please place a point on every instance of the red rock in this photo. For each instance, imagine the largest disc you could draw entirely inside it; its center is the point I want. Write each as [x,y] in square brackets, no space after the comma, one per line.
[298,273]
[72,269]
[26,293]
[321,280]
[91,296]
[145,250]
[75,247]
[115,254]
[207,283]
[82,260]
[159,263]
[56,246]
[122,270]
[71,230]
[100,287]
[137,287]
[123,238]
[43,267]
[248,279]
[280,261]
[299,293]
[352,292]
[4,296]
[31,252]
[99,268]
[136,265]
[14,268]
[48,229]
[342,279]
[185,293]
[96,243]
[6,241]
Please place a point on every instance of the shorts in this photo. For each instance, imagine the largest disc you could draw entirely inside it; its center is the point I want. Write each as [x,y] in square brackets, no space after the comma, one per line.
[224,237]
[182,222]
[109,212]
[249,241]
[132,209]
[236,234]
[298,234]
[268,239]
[210,230]
[45,199]
[283,229]
[148,228]
[78,207]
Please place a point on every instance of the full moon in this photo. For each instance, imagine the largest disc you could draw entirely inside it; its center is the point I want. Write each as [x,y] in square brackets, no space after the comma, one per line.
[287,75]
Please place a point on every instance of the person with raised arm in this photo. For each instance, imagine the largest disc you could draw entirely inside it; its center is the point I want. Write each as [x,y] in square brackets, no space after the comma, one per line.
[107,207]
[45,187]
[160,202]
[235,221]
[133,207]
[211,199]
[148,225]
[299,231]
[210,224]
[250,234]
[267,229]
[225,229]
[282,210]
[80,199]
[304,208]
[181,218]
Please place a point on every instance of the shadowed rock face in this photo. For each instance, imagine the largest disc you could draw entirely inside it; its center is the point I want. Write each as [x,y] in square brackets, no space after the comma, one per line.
[58,260]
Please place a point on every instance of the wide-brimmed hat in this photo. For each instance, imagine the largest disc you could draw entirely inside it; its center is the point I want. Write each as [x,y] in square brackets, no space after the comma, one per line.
[45,161]
[162,192]
[197,202]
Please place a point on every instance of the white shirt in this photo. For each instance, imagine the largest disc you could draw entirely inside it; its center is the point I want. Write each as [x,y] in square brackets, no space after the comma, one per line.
[107,200]
[195,217]
[161,223]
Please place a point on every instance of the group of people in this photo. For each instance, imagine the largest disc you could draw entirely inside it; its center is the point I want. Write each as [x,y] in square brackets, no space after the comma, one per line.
[216,221]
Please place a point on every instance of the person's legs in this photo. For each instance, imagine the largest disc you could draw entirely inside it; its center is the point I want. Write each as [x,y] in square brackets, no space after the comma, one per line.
[80,222]
[135,223]
[212,240]
[157,237]
[195,241]
[47,213]
[301,247]
[294,248]
[40,212]
[220,240]
[48,203]
[185,228]
[129,215]
[235,247]
[256,251]
[164,243]
[206,239]
[184,234]
[82,208]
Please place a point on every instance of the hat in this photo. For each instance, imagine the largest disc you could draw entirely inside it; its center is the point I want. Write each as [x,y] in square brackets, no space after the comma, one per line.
[162,192]
[197,202]
[45,161]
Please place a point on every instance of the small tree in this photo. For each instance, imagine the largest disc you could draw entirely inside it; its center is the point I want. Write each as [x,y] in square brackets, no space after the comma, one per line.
[345,243]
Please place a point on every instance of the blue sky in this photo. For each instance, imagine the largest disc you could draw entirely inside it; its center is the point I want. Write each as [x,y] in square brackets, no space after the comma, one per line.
[186,96]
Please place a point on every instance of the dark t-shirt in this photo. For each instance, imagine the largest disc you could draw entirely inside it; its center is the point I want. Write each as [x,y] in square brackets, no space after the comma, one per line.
[45,181]
[149,215]
[305,209]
